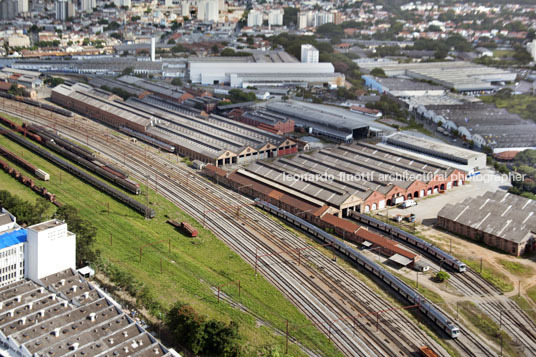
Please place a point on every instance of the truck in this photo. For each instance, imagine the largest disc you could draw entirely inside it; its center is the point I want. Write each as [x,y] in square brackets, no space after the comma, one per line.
[408,204]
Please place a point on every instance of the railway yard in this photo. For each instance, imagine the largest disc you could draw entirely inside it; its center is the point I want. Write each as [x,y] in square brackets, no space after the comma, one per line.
[358,318]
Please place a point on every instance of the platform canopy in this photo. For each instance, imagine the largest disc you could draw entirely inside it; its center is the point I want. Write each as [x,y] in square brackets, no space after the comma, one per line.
[399,259]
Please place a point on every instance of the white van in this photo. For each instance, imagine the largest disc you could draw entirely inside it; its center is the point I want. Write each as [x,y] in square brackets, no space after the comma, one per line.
[408,203]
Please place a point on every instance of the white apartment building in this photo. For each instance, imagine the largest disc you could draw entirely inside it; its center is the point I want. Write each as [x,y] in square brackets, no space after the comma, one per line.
[309,54]
[255,18]
[275,17]
[208,10]
[34,252]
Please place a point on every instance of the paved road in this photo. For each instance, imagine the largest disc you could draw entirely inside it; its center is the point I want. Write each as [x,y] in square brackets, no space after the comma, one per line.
[428,208]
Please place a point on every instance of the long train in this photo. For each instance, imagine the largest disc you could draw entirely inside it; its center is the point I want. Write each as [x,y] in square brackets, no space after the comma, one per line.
[41,190]
[155,142]
[396,284]
[35,103]
[104,187]
[79,155]
[413,240]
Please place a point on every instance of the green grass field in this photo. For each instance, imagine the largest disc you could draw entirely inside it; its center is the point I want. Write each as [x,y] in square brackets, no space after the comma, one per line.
[521,270]
[487,326]
[193,267]
[490,274]
[501,54]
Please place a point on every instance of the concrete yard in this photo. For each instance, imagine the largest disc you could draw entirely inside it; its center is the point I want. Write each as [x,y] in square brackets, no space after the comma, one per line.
[428,208]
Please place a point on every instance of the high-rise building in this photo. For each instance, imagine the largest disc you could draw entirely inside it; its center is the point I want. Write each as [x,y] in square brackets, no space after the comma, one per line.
[61,10]
[168,3]
[185,8]
[153,49]
[8,9]
[275,17]
[302,20]
[34,252]
[22,6]
[531,48]
[212,12]
[309,54]
[255,18]
[121,3]
[87,5]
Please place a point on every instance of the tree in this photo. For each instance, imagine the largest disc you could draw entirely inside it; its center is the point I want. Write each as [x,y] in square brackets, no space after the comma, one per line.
[378,72]
[442,276]
[215,49]
[127,71]
[290,16]
[26,213]
[85,234]
[186,326]
[330,30]
[177,81]
[16,90]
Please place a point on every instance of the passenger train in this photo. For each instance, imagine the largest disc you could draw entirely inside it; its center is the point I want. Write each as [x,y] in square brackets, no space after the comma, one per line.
[413,240]
[396,284]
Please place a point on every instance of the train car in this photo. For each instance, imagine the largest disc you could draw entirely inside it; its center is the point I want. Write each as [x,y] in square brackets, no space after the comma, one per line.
[396,232]
[184,227]
[104,187]
[155,142]
[396,284]
[427,352]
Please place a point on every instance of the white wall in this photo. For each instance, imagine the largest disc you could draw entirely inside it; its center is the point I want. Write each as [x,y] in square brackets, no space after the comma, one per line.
[49,250]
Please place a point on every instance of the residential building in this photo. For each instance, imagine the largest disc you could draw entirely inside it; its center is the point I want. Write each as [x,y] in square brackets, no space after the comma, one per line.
[62,9]
[255,18]
[8,9]
[309,54]
[275,17]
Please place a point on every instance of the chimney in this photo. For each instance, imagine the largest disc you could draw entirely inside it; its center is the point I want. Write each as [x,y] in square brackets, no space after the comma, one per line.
[18,298]
[1,305]
[22,321]
[86,295]
[64,303]
[41,313]
[62,282]
[73,288]
[92,316]
[74,346]
[56,332]
[41,290]
[30,305]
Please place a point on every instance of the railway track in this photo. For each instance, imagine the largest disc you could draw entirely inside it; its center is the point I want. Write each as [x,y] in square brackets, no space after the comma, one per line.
[517,324]
[340,282]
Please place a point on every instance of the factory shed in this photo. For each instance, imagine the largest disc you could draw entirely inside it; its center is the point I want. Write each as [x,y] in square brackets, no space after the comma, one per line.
[498,219]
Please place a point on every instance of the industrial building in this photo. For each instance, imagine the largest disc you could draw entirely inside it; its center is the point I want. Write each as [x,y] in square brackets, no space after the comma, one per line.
[242,75]
[212,139]
[107,66]
[466,160]
[48,309]
[459,75]
[34,252]
[402,88]
[341,126]
[265,120]
[498,219]
[483,124]
[361,177]
[87,101]
[161,89]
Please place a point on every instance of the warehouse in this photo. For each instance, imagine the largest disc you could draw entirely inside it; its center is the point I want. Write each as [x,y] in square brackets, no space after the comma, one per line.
[161,89]
[213,139]
[243,74]
[498,219]
[264,120]
[484,124]
[100,82]
[361,177]
[402,88]
[466,160]
[97,104]
[321,122]
[459,75]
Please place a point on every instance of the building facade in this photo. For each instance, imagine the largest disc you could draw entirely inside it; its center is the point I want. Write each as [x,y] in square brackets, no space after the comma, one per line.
[309,54]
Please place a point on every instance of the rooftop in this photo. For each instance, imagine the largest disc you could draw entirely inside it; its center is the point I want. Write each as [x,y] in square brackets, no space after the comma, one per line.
[69,316]
[46,225]
[510,217]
